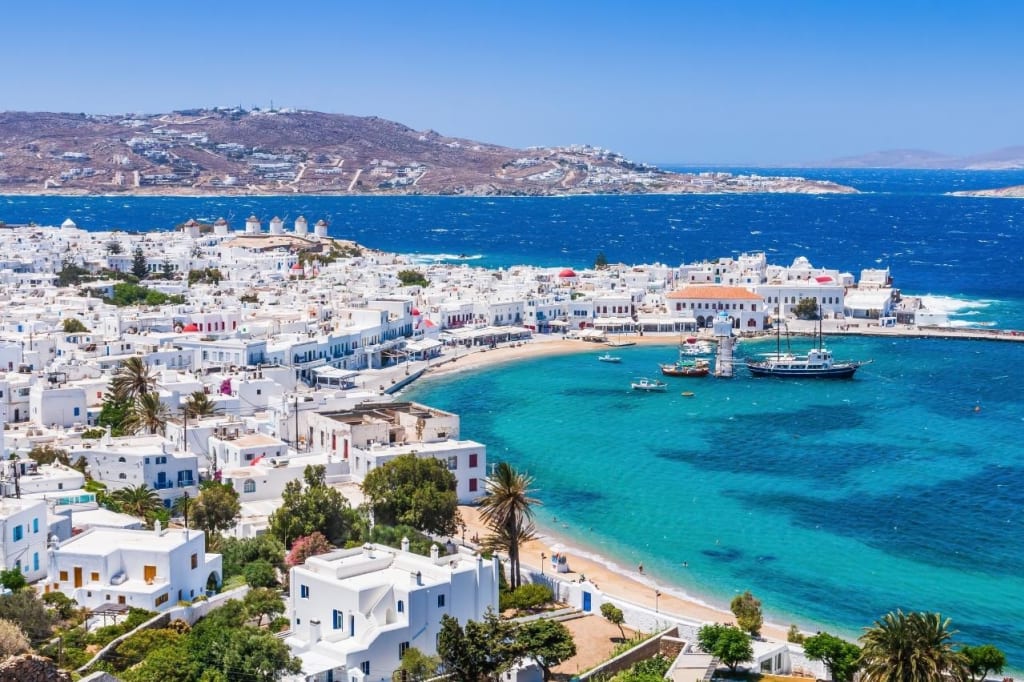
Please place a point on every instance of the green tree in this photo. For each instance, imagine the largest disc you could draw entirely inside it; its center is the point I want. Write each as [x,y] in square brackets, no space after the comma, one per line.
[237,552]
[139,267]
[841,657]
[148,414]
[114,413]
[48,454]
[910,647]
[70,274]
[479,651]
[263,601]
[651,669]
[807,309]
[132,380]
[73,325]
[392,536]
[794,636]
[27,611]
[216,508]
[547,642]
[13,579]
[418,666]
[198,404]
[414,491]
[527,596]
[142,644]
[412,278]
[507,510]
[258,655]
[61,606]
[137,500]
[982,660]
[113,247]
[600,261]
[613,614]
[162,664]
[167,268]
[747,609]
[260,573]
[313,507]
[727,643]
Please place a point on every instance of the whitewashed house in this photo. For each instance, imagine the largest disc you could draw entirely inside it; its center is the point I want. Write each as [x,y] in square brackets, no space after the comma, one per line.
[354,612]
[141,460]
[148,569]
[24,530]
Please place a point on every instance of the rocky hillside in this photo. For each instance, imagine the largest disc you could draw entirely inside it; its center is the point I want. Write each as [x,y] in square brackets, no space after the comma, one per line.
[234,151]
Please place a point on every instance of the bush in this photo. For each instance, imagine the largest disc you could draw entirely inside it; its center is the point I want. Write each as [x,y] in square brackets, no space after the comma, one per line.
[526,597]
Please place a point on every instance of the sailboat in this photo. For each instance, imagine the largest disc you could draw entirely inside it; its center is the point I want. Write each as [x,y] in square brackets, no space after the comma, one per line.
[819,362]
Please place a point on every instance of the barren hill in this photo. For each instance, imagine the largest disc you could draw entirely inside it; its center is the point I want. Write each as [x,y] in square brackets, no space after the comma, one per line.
[234,151]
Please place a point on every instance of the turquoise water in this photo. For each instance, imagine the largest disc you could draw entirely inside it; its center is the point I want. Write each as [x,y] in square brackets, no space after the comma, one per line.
[833,501]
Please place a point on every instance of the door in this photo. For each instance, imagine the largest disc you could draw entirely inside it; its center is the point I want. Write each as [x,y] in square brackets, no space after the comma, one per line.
[586,601]
[149,574]
[78,576]
[120,599]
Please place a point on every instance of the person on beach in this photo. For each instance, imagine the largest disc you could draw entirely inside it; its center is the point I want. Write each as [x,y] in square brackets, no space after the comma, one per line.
[640,567]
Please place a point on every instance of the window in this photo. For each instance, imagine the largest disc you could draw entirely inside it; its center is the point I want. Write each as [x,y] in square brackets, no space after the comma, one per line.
[401,606]
[18,533]
[122,476]
[94,576]
[365,667]
[440,601]
[35,525]
[304,591]
[402,648]
[35,561]
[338,619]
[453,462]
[249,486]
[195,561]
[472,460]
[77,411]
[63,576]
[162,599]
[472,485]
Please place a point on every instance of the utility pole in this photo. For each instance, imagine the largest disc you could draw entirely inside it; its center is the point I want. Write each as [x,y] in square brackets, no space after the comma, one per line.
[296,422]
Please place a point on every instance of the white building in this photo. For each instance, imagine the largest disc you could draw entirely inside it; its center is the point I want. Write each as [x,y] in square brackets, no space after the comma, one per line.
[744,308]
[354,612]
[141,460]
[23,530]
[148,569]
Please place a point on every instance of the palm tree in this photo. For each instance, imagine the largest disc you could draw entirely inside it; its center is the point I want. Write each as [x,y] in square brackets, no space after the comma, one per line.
[506,509]
[132,380]
[198,404]
[137,500]
[147,415]
[912,647]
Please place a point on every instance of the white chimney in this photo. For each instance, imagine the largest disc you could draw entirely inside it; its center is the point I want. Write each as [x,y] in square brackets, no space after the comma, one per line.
[405,541]
[434,552]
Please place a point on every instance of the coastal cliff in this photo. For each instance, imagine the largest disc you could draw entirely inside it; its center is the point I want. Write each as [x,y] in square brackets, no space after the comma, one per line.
[252,152]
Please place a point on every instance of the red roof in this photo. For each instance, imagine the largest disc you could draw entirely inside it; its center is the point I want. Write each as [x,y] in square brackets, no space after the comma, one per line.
[823,279]
[416,312]
[567,273]
[190,327]
[297,266]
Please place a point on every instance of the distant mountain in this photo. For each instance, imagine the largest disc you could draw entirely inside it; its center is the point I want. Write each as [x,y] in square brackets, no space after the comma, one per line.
[236,151]
[1007,158]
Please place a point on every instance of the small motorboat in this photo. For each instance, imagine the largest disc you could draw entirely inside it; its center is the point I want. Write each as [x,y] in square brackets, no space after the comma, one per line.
[649,385]
[607,357]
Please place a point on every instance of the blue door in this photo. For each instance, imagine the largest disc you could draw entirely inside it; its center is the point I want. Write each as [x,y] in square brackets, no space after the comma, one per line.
[586,601]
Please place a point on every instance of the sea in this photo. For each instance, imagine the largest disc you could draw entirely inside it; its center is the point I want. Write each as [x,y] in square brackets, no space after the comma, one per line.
[834,502]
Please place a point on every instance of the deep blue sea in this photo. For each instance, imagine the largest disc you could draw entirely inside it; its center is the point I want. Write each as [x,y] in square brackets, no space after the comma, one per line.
[834,502]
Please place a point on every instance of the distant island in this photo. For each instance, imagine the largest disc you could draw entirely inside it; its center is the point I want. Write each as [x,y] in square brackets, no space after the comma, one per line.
[1006,158]
[236,151]
[1014,192]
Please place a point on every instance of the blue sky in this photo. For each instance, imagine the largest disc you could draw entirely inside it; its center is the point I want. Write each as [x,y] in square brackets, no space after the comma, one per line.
[708,82]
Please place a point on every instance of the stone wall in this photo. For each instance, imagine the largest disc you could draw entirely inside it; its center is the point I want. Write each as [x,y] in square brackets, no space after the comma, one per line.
[30,668]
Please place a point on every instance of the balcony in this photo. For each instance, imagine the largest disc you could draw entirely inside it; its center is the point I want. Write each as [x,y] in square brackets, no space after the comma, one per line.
[163,485]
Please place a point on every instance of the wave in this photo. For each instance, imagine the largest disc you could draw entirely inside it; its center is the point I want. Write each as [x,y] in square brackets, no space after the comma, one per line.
[950,305]
[427,258]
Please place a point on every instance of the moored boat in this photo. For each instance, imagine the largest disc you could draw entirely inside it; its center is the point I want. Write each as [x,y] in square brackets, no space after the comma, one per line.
[819,362]
[649,385]
[681,368]
[608,357]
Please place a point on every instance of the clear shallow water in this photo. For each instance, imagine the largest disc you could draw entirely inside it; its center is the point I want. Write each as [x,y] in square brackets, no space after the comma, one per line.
[834,502]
